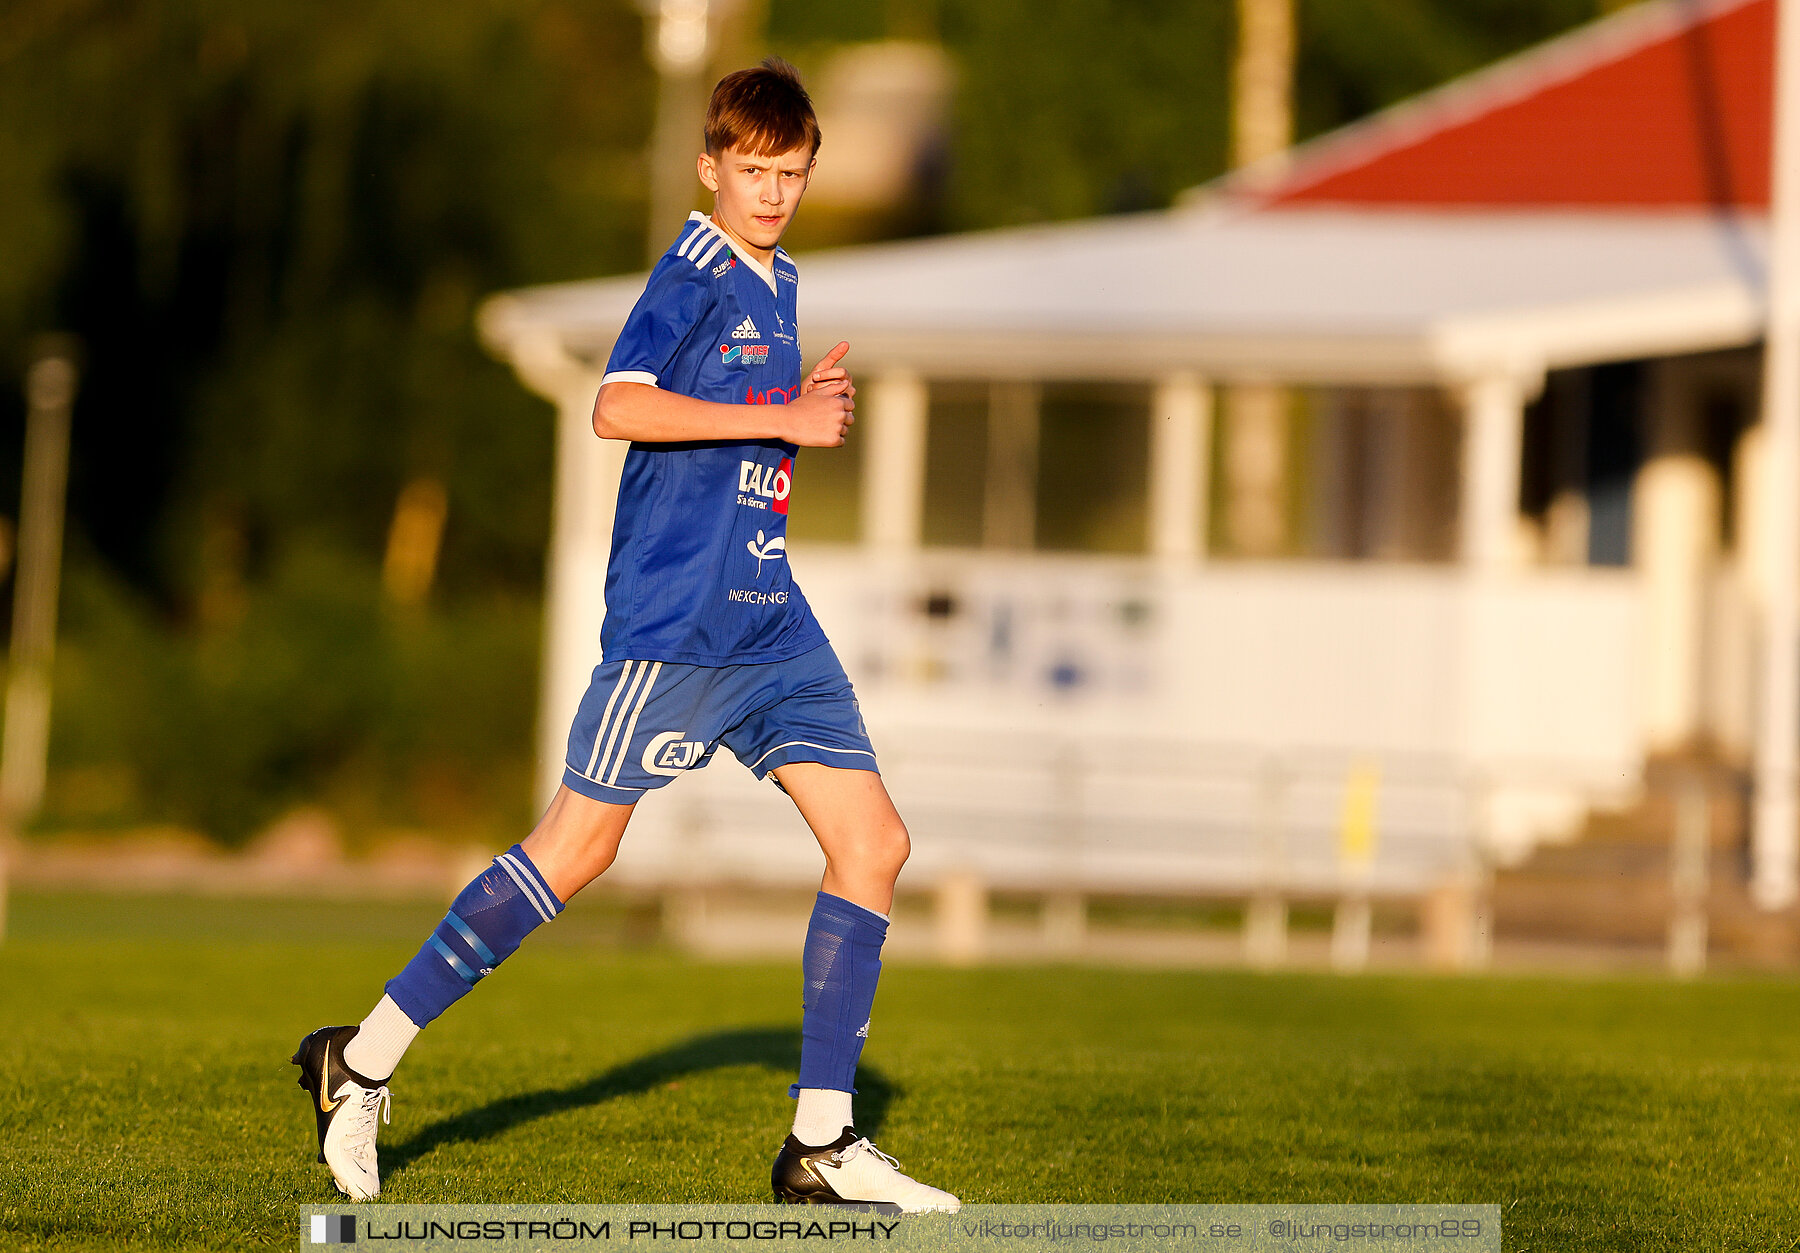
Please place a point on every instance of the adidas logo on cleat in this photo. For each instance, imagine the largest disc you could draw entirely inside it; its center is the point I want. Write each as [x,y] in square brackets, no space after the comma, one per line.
[746,330]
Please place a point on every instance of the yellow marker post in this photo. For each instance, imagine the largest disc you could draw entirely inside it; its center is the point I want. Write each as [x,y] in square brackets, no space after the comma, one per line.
[1358,835]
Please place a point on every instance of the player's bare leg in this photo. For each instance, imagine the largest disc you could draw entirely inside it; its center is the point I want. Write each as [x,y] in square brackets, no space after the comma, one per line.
[825,1161]
[576,840]
[345,1069]
[857,826]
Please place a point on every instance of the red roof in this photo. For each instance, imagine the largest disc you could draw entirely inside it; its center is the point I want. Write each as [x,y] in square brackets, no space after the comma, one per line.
[1666,104]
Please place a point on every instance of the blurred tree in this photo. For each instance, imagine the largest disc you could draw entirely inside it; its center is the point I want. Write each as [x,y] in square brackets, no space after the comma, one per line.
[269,221]
[1357,56]
[1090,106]
[1098,106]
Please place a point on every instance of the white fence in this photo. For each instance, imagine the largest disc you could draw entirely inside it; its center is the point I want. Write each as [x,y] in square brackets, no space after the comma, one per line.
[1090,725]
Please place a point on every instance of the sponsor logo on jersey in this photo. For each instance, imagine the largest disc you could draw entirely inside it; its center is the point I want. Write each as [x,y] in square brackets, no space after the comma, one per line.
[749,354]
[745,330]
[750,596]
[668,753]
[729,263]
[774,396]
[766,550]
[787,276]
[765,487]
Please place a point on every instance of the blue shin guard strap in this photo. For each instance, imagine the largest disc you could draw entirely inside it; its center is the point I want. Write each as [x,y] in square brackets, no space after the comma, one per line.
[488,921]
[842,964]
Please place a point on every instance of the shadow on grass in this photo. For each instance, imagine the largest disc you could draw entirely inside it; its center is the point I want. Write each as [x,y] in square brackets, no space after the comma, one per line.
[773,1048]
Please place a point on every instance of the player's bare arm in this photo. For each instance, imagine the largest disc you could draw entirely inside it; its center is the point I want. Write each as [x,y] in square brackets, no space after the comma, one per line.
[819,417]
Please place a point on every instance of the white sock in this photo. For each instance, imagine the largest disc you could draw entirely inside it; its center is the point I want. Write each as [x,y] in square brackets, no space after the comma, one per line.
[820,1116]
[381,1041]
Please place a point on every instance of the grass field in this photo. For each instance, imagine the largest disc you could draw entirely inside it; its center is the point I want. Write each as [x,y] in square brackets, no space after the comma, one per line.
[147,1096]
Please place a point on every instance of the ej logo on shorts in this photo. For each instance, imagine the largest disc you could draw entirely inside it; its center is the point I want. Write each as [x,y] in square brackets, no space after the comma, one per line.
[669,754]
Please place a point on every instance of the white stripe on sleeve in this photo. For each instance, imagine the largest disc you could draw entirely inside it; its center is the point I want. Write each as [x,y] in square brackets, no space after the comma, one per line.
[628,376]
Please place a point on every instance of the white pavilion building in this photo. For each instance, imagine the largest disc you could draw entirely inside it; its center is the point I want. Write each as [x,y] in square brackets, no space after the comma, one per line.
[1349,528]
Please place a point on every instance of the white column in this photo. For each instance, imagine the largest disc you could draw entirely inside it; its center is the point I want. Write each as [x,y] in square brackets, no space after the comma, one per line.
[1675,509]
[24,757]
[897,405]
[584,492]
[1493,427]
[1675,525]
[1775,841]
[581,522]
[1180,439]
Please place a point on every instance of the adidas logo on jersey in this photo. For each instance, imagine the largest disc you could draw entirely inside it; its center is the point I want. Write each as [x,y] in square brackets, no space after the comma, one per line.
[746,330]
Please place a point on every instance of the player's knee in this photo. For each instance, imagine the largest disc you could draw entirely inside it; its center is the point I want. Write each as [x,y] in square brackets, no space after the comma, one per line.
[877,851]
[576,841]
[893,846]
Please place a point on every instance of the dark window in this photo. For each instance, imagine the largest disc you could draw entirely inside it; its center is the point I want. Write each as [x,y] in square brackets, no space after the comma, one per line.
[1093,467]
[955,464]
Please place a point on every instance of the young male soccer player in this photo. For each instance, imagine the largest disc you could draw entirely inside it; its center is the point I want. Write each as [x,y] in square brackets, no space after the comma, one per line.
[706,641]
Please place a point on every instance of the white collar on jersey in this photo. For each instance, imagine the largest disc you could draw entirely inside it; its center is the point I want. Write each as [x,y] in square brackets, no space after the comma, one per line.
[703,245]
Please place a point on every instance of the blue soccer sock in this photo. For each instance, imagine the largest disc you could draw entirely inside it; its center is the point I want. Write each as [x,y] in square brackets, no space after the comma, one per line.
[841,964]
[486,924]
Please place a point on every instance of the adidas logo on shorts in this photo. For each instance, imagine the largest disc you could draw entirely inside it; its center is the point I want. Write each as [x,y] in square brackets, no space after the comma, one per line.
[746,330]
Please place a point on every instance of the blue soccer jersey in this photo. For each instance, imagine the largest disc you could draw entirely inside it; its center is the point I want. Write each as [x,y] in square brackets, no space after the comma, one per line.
[699,571]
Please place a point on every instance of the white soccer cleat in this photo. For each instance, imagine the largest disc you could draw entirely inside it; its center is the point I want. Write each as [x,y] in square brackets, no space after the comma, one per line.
[852,1172]
[348,1107]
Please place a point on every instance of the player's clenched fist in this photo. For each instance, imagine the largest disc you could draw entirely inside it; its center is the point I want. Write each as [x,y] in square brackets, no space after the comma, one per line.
[821,417]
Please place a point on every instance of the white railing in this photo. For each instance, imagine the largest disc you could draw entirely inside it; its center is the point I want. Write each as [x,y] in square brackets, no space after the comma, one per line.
[1109,725]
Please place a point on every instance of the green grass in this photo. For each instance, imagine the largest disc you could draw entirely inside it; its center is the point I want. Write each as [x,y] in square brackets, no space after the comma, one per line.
[147,1096]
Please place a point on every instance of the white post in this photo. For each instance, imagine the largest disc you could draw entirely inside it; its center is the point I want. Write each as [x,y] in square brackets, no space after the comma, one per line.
[1493,426]
[586,492]
[962,918]
[1774,838]
[24,754]
[898,405]
[1675,507]
[681,35]
[1180,439]
[1689,853]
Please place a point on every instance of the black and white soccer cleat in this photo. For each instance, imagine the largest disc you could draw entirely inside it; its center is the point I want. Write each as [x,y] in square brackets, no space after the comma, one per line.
[852,1173]
[346,1106]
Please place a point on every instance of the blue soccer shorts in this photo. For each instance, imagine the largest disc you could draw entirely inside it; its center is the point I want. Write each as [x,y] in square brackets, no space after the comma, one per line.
[643,723]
